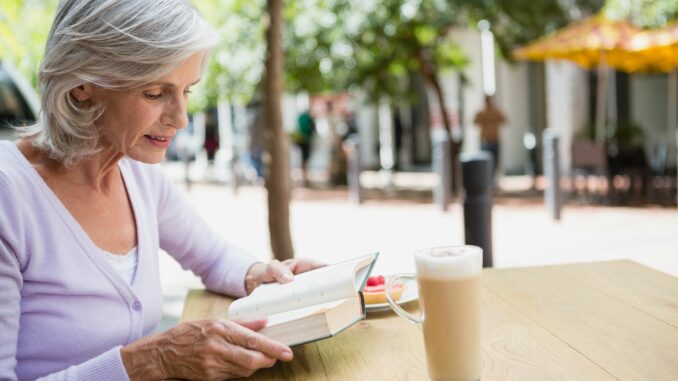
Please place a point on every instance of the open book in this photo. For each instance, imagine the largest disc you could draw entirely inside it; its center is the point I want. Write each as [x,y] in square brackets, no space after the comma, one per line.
[317,304]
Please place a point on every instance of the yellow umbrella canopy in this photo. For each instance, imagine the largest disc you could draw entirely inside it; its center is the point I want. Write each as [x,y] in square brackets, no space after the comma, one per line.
[589,42]
[650,51]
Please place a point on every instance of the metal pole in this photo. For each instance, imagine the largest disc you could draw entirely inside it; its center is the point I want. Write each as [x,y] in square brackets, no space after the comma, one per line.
[530,143]
[601,100]
[352,148]
[386,143]
[441,165]
[478,178]
[552,193]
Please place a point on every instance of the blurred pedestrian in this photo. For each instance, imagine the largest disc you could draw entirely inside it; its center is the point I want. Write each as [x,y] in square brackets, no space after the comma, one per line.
[211,143]
[257,143]
[302,136]
[338,162]
[490,119]
[350,123]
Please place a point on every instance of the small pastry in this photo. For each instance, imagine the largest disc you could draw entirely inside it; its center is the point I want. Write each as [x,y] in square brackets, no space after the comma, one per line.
[375,290]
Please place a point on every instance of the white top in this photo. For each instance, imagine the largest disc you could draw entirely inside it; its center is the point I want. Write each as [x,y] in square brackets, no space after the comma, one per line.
[124,264]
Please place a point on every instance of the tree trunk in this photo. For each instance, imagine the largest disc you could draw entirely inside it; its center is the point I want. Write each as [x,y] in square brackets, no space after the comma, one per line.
[278,179]
[429,72]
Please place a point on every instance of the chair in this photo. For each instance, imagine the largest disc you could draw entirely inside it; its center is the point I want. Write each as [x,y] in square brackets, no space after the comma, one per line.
[589,175]
[661,178]
[628,171]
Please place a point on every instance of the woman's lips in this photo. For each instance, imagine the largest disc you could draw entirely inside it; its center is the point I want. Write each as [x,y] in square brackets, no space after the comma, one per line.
[159,141]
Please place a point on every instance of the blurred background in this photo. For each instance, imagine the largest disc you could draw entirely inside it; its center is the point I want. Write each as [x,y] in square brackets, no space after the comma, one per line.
[366,131]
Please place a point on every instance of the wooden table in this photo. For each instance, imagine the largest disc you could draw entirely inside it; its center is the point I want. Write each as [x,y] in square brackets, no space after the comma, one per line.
[595,321]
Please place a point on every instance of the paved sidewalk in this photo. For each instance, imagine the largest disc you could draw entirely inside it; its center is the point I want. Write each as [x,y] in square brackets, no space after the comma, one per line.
[327,227]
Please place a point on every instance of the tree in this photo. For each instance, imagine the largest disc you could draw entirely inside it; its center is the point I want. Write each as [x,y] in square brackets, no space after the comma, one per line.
[277,181]
[374,46]
[250,47]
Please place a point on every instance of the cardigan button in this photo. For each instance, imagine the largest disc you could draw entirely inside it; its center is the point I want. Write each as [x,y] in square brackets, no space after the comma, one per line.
[136,306]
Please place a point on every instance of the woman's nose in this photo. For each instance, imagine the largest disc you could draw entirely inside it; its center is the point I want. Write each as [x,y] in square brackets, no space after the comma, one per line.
[175,113]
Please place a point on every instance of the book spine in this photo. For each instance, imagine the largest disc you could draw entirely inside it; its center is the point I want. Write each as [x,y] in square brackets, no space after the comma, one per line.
[363,310]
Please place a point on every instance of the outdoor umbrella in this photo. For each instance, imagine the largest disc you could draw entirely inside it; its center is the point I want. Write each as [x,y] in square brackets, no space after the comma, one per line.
[657,51]
[596,41]
[651,51]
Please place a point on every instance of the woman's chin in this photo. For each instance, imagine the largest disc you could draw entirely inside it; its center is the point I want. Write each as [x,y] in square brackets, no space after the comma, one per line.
[148,158]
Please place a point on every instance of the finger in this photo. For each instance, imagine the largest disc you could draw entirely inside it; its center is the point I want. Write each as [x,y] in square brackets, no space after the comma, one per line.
[243,362]
[279,272]
[249,339]
[301,265]
[255,324]
[234,360]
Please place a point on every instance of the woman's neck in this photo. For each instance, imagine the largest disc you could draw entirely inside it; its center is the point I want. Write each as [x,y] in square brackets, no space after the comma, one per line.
[97,173]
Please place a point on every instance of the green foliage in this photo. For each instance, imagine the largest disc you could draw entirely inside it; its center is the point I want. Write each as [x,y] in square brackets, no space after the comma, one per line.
[337,44]
[334,45]
[236,64]
[24,26]
[643,13]
[624,133]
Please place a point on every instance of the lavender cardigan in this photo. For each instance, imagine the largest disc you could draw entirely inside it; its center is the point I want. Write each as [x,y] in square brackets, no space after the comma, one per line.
[64,311]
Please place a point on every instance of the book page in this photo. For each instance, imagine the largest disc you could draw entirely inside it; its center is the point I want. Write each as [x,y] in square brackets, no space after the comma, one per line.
[301,312]
[325,284]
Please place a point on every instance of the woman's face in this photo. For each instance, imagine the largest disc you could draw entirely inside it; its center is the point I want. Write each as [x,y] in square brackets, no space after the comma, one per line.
[141,123]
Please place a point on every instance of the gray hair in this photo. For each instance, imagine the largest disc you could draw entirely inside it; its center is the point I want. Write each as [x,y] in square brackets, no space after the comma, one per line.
[113,44]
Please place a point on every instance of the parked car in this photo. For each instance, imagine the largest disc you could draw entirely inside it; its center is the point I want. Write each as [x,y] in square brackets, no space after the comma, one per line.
[19,103]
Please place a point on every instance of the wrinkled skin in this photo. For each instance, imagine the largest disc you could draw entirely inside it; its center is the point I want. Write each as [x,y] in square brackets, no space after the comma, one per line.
[204,350]
[214,349]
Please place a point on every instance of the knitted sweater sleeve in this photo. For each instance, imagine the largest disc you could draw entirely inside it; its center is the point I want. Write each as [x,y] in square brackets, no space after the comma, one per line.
[196,246]
[106,366]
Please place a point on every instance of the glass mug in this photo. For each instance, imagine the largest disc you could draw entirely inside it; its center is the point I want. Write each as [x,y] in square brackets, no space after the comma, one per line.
[449,298]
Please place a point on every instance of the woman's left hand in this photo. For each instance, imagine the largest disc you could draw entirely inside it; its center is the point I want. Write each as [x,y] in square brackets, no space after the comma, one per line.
[276,271]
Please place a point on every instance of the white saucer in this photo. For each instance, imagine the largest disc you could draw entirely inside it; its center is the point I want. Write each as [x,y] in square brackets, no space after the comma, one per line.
[410,294]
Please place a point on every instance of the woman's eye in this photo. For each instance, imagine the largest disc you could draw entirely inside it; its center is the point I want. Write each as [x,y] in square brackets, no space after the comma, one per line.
[153,96]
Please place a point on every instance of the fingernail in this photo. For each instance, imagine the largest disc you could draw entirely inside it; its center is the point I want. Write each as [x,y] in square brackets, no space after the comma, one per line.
[287,277]
[287,355]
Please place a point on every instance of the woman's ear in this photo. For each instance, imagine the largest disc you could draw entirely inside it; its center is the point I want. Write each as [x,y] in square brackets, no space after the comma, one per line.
[82,93]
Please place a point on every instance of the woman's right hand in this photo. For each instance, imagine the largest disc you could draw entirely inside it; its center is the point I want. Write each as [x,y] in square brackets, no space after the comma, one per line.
[204,350]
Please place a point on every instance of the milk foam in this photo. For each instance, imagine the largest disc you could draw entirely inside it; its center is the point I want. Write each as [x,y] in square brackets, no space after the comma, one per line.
[454,262]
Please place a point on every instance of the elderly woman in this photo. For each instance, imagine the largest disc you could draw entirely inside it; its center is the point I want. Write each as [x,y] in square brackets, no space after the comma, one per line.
[84,211]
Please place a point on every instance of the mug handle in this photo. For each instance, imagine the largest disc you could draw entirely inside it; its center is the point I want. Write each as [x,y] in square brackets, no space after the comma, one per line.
[396,308]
